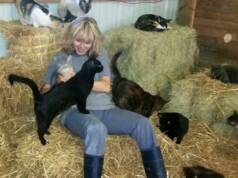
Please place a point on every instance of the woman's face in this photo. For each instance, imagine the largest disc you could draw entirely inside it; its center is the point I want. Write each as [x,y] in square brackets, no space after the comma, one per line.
[81,47]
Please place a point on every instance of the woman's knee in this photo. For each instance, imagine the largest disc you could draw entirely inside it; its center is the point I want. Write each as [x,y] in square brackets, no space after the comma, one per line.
[144,124]
[144,135]
[97,129]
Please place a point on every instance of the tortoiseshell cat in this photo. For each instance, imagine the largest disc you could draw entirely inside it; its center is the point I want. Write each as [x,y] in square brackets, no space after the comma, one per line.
[151,22]
[129,95]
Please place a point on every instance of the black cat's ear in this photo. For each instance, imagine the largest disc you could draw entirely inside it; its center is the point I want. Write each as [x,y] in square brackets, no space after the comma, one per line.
[120,51]
[93,55]
[160,115]
[234,112]
[215,67]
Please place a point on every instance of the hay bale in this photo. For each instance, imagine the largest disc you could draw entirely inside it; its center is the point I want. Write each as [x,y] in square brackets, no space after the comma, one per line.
[153,59]
[29,43]
[201,98]
[18,98]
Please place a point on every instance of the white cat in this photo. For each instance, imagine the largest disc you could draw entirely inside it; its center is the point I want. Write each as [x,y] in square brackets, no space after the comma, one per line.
[33,13]
[71,9]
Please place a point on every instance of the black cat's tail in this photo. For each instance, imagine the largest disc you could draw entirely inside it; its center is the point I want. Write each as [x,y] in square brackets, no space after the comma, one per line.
[115,70]
[15,78]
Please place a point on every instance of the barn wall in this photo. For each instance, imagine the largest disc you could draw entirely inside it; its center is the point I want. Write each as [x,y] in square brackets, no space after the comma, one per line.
[213,21]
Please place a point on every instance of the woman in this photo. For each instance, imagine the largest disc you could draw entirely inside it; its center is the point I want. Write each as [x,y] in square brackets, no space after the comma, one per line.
[82,38]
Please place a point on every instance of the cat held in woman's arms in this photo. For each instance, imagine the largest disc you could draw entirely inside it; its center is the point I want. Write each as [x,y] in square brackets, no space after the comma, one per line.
[61,96]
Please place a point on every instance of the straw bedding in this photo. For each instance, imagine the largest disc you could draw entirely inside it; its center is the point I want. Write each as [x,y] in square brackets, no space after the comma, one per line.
[153,59]
[63,156]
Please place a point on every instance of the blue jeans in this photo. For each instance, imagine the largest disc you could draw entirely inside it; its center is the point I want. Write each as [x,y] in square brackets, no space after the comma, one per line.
[93,128]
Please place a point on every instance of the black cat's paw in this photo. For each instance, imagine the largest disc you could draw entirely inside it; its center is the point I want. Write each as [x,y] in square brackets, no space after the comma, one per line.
[10,79]
[47,132]
[43,141]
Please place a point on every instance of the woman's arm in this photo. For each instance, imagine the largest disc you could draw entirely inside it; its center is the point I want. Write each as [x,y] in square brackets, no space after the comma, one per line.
[103,85]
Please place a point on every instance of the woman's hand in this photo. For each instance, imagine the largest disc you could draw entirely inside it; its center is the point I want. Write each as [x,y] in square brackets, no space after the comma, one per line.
[103,85]
[44,88]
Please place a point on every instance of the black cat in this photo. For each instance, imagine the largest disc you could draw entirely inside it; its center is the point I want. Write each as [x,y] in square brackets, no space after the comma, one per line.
[129,95]
[225,73]
[151,22]
[233,119]
[174,125]
[201,172]
[61,96]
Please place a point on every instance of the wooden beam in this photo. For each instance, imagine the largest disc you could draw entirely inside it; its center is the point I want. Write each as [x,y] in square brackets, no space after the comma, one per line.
[223,6]
[216,33]
[186,12]
[194,5]
[216,24]
[218,15]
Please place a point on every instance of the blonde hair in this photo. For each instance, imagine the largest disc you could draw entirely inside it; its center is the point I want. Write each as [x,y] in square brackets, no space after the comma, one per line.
[85,29]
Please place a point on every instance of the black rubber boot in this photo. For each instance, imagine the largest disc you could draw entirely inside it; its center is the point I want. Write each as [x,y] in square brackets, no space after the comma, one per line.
[93,166]
[154,163]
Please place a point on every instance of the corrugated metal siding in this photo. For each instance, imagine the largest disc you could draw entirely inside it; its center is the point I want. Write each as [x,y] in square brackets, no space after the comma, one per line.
[108,14]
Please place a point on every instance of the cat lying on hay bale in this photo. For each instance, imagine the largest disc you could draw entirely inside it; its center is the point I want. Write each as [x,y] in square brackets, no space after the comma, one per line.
[62,95]
[152,22]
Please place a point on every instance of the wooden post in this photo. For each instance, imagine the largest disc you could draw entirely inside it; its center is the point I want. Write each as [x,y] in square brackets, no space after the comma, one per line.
[186,12]
[194,5]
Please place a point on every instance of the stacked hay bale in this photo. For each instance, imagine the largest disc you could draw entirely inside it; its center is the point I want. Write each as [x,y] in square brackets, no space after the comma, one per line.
[201,98]
[18,99]
[154,59]
[30,50]
[29,43]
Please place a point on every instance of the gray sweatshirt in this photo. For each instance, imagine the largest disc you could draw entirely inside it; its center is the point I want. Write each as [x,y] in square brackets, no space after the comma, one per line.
[95,100]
